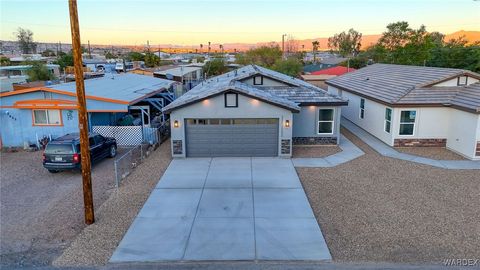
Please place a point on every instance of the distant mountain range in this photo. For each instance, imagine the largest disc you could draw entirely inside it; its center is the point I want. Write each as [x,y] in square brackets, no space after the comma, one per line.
[367,40]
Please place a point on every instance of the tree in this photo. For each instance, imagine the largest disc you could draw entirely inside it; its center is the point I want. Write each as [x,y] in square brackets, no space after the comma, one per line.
[291,45]
[4,61]
[25,40]
[39,72]
[346,43]
[315,46]
[109,55]
[65,60]
[151,60]
[265,56]
[136,56]
[215,67]
[290,66]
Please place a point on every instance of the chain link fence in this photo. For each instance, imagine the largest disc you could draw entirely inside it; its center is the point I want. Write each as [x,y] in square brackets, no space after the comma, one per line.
[127,162]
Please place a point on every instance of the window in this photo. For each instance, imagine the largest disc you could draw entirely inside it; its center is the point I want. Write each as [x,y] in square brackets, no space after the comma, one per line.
[325,121]
[462,80]
[47,117]
[388,120]
[407,122]
[362,108]
[231,100]
[258,80]
[99,139]
[91,141]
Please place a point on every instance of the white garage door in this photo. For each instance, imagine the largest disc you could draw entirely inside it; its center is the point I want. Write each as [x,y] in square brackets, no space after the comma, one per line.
[232,137]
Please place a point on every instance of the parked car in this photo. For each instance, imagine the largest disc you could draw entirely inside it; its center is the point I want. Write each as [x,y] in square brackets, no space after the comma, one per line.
[63,153]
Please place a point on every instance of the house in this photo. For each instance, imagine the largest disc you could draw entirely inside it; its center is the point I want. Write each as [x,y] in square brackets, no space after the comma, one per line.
[319,77]
[414,106]
[252,111]
[30,114]
[188,76]
[22,70]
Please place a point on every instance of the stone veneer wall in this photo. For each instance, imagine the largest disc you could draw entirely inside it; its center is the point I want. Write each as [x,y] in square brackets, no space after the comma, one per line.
[314,140]
[420,142]
[177,147]
[286,147]
[477,152]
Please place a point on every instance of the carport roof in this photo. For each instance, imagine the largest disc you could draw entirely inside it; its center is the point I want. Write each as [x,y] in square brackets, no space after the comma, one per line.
[296,93]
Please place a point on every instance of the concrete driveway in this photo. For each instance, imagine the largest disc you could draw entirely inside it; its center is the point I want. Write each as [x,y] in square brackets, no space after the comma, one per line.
[225,209]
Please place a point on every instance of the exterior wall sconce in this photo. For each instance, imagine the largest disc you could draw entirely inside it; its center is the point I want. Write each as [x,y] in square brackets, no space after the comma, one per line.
[287,123]
[175,124]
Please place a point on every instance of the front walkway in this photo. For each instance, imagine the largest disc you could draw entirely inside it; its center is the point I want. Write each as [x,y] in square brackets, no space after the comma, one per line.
[386,150]
[349,152]
[225,209]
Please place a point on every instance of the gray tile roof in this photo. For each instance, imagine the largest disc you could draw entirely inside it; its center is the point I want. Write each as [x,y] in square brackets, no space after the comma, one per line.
[399,84]
[289,97]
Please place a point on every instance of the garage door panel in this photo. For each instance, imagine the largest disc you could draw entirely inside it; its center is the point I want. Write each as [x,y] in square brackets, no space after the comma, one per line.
[232,140]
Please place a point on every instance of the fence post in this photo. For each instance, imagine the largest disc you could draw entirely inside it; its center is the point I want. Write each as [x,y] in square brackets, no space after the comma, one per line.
[141,152]
[117,184]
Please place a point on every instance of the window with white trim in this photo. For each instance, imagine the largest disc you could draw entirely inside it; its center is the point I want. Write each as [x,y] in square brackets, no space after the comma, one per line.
[362,108]
[388,120]
[325,121]
[47,117]
[407,122]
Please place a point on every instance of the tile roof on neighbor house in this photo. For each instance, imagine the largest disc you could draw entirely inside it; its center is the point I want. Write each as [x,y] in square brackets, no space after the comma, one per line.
[290,97]
[404,85]
[338,70]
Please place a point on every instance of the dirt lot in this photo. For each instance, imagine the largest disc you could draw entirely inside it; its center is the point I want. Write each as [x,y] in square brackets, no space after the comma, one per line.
[95,245]
[376,208]
[41,212]
[439,153]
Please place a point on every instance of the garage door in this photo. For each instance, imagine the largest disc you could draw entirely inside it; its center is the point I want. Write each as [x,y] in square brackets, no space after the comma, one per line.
[231,137]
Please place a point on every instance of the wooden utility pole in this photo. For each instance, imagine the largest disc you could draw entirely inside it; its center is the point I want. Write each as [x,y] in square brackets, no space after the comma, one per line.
[82,114]
[89,51]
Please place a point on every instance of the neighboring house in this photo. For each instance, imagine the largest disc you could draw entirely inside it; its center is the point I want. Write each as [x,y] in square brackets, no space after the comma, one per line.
[252,111]
[22,70]
[29,114]
[319,77]
[414,106]
[188,76]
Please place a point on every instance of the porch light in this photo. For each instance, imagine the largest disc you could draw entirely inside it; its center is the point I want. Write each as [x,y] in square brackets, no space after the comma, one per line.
[287,123]
[175,124]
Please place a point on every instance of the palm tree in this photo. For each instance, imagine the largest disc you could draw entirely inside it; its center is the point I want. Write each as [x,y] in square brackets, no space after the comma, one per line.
[315,45]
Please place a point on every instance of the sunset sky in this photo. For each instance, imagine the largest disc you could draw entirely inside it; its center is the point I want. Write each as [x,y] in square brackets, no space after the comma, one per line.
[190,22]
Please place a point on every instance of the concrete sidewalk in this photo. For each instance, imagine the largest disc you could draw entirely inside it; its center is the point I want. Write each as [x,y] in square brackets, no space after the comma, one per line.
[225,209]
[385,150]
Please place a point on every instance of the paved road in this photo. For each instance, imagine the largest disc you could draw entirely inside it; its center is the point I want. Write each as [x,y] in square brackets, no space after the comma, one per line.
[42,212]
[225,209]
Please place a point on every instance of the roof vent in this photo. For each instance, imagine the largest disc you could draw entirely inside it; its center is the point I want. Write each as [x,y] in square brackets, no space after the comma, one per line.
[367,79]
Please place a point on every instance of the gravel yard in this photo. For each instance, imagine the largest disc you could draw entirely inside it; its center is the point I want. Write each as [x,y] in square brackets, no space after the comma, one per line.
[376,208]
[313,151]
[439,153]
[96,243]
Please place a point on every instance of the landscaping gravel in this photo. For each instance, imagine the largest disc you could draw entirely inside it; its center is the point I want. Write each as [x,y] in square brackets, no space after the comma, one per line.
[376,208]
[314,151]
[41,212]
[96,243]
[439,153]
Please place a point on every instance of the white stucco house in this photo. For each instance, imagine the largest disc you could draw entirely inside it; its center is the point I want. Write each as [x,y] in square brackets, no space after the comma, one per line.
[414,106]
[252,111]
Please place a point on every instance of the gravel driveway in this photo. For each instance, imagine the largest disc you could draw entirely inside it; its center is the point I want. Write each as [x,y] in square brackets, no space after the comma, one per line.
[42,212]
[376,208]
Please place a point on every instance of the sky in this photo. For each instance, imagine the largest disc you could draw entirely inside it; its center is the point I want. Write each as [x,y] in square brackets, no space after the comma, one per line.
[193,22]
